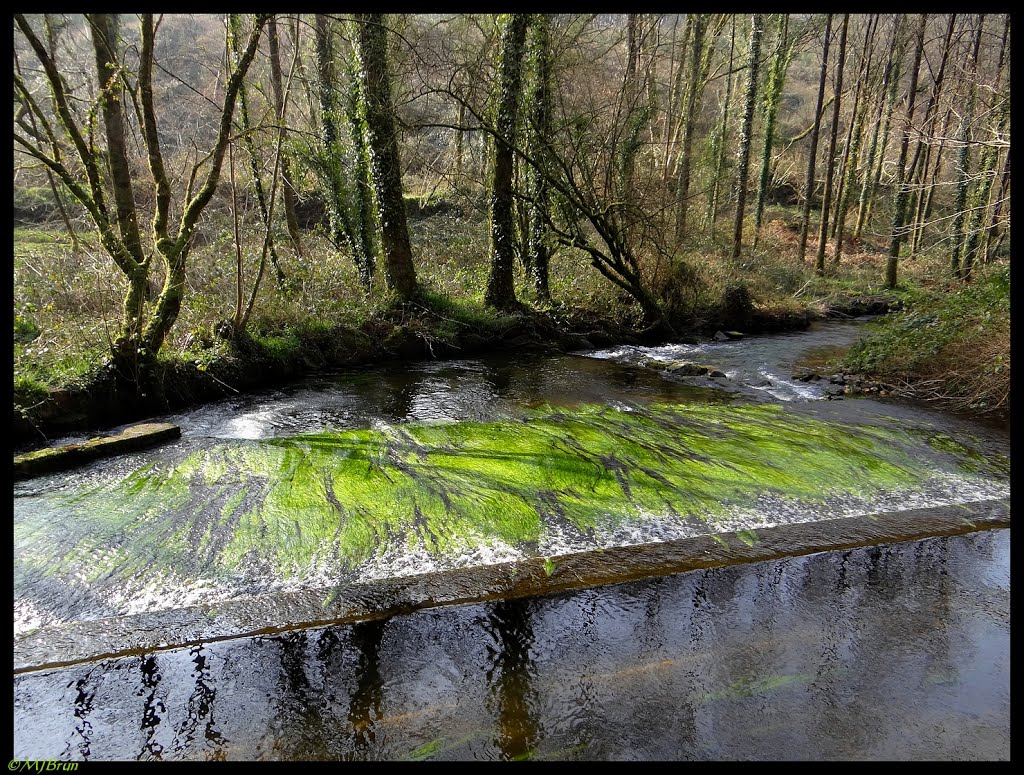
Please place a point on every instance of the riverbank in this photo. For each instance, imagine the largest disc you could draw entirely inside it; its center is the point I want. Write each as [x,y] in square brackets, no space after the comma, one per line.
[437,328]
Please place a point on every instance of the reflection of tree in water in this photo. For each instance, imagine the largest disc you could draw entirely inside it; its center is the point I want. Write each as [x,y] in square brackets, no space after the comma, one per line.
[365,706]
[510,676]
[200,708]
[83,707]
[152,708]
[304,724]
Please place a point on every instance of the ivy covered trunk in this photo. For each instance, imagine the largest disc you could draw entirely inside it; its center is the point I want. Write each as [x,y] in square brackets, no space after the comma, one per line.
[773,93]
[746,130]
[382,139]
[501,291]
[540,239]
[344,213]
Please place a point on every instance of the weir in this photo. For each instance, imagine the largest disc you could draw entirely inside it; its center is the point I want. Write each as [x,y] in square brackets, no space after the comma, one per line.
[485,480]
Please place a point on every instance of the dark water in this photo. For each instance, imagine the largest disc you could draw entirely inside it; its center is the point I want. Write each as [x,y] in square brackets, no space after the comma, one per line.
[889,652]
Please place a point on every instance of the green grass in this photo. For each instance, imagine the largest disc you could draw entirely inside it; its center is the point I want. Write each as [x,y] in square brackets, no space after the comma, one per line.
[952,345]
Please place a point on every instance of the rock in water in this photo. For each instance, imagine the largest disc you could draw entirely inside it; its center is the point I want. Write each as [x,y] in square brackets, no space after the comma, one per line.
[133,438]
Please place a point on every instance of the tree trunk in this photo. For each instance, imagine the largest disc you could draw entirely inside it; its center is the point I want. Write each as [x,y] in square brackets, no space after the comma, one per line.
[812,153]
[876,151]
[364,217]
[288,190]
[853,139]
[539,247]
[683,180]
[992,236]
[987,167]
[773,92]
[900,205]
[501,291]
[235,23]
[746,131]
[105,45]
[345,230]
[963,162]
[723,133]
[819,263]
[382,139]
[925,198]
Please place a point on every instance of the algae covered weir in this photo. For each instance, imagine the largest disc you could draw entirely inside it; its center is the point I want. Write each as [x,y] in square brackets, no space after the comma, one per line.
[579,532]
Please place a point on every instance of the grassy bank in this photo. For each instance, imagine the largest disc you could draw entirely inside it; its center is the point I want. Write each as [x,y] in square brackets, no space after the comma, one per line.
[946,346]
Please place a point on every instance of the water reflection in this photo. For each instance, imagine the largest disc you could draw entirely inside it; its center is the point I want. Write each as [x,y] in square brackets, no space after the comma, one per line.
[878,653]
[510,676]
[367,699]
[153,708]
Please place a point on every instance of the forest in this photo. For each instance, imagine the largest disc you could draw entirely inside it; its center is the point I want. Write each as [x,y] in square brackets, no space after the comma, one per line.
[208,204]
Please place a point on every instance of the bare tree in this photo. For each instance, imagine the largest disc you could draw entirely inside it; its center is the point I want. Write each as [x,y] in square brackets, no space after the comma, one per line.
[812,153]
[902,194]
[80,167]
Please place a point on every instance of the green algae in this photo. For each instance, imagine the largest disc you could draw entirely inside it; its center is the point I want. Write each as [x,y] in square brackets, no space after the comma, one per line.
[748,686]
[425,751]
[749,537]
[342,498]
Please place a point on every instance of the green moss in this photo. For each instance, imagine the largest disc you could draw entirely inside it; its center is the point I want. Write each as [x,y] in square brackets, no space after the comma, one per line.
[446,488]
[749,537]
[748,686]
[426,750]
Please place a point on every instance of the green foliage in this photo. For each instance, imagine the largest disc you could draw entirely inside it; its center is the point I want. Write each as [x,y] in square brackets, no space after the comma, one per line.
[952,346]
[25,328]
[931,323]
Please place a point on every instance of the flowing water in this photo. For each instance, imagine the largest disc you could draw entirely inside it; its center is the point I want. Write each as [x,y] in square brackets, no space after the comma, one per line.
[273,506]
[887,652]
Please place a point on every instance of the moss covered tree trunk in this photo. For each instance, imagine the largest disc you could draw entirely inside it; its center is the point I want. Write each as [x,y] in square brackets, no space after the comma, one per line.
[900,203]
[382,140]
[135,264]
[540,239]
[773,93]
[812,152]
[500,286]
[746,132]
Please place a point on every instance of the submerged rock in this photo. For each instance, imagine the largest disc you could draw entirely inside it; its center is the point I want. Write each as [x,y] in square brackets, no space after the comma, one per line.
[687,369]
